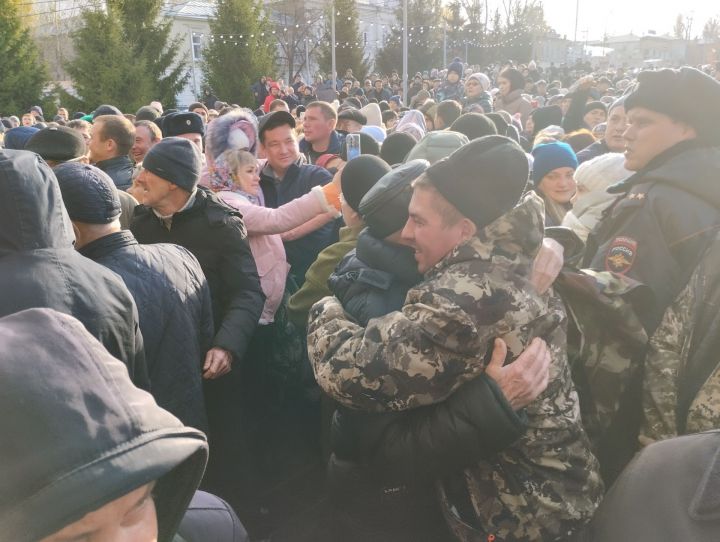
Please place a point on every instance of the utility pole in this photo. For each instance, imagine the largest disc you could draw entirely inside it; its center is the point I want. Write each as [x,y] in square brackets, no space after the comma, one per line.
[444,43]
[405,52]
[332,49]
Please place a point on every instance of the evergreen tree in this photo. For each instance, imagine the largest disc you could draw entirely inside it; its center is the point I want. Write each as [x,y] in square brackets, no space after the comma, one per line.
[350,45]
[124,57]
[22,74]
[241,50]
[425,43]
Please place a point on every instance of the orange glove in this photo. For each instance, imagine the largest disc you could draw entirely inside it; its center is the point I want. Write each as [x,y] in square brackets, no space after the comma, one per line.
[332,195]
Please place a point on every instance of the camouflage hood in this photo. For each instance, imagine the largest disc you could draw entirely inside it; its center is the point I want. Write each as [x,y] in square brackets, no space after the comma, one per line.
[517,235]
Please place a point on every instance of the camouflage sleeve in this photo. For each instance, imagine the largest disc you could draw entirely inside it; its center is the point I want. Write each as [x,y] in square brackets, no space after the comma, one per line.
[405,359]
[665,359]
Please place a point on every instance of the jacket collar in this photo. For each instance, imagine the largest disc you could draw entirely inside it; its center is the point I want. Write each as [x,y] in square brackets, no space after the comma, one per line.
[118,161]
[108,244]
[515,238]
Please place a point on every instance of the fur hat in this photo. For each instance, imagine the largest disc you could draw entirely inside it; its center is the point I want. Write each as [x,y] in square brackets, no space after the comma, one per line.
[687,95]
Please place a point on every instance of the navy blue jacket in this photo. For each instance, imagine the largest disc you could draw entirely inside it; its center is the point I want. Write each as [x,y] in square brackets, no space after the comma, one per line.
[298,181]
[173,300]
[335,147]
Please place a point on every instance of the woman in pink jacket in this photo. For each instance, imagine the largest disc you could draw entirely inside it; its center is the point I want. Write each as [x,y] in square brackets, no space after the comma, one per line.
[242,191]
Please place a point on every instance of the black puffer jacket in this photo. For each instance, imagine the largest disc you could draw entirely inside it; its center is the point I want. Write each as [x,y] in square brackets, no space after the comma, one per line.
[120,169]
[40,268]
[215,234]
[373,279]
[173,301]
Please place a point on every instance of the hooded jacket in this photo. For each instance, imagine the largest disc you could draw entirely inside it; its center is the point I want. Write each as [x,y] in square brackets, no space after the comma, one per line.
[514,103]
[82,435]
[40,267]
[545,485]
[173,301]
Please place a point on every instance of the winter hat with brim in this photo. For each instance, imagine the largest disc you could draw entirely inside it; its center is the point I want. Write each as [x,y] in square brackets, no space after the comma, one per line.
[17,138]
[89,194]
[360,175]
[437,145]
[187,122]
[686,95]
[82,434]
[57,143]
[385,207]
[550,156]
[483,179]
[176,160]
[473,125]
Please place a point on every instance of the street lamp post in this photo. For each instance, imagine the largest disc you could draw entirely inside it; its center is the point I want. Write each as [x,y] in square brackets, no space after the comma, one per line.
[332,48]
[405,52]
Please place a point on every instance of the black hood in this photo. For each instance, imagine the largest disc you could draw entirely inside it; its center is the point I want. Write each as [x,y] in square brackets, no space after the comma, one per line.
[77,434]
[689,166]
[398,260]
[32,213]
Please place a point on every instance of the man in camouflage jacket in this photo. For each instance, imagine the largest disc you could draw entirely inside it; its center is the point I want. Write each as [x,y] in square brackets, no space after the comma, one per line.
[477,264]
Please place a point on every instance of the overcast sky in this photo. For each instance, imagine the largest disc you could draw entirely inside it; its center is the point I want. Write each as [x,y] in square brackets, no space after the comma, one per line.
[622,16]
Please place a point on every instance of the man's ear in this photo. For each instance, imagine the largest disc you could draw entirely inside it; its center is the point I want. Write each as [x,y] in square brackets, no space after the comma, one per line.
[468,229]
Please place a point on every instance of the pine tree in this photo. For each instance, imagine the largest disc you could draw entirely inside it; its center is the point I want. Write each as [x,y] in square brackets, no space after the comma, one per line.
[22,74]
[240,51]
[124,56]
[350,45]
[425,43]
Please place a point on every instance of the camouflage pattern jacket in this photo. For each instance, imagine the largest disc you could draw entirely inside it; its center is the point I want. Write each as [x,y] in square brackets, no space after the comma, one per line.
[681,384]
[544,486]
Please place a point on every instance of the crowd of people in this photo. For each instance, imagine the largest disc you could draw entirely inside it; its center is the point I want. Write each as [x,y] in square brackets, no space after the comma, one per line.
[496,321]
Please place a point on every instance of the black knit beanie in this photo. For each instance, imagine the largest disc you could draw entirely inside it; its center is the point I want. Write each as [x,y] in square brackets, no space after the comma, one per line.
[358,176]
[176,160]
[483,179]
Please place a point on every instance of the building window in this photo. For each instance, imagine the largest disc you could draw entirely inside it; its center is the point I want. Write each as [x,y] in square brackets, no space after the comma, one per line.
[197,47]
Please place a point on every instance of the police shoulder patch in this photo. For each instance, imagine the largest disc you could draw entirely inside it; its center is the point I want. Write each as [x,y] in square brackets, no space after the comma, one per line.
[620,256]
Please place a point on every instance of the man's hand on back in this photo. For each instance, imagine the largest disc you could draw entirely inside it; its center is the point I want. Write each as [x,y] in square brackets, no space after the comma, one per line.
[523,380]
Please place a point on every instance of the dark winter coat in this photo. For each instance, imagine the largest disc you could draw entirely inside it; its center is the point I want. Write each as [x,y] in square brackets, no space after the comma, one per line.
[77,433]
[373,279]
[657,232]
[298,181]
[215,234]
[175,312]
[120,169]
[479,104]
[260,92]
[450,91]
[668,492]
[40,268]
[382,94]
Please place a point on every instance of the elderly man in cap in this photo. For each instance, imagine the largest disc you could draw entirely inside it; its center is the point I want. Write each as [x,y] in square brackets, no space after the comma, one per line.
[177,328]
[476,249]
[351,121]
[112,138]
[187,125]
[175,210]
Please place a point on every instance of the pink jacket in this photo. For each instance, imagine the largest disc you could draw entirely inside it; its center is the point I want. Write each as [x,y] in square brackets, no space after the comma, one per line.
[263,226]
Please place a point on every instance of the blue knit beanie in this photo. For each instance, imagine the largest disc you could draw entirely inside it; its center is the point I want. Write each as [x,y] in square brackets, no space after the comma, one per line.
[551,156]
